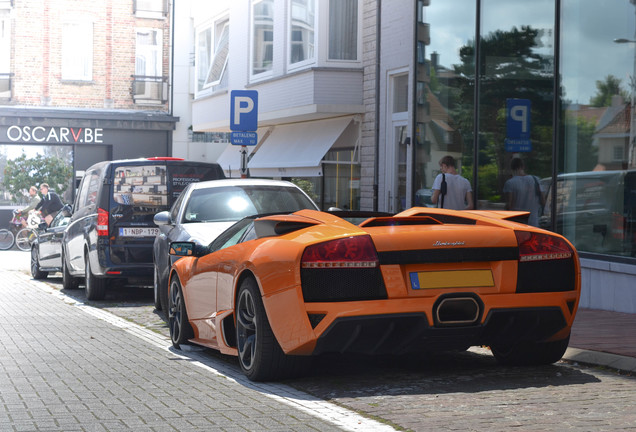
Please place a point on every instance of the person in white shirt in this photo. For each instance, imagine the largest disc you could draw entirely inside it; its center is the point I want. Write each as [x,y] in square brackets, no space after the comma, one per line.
[451,190]
[523,192]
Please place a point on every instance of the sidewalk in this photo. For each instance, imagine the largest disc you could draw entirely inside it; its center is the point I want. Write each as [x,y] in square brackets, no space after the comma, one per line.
[604,338]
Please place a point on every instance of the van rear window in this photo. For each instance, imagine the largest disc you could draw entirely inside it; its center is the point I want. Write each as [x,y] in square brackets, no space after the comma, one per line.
[143,185]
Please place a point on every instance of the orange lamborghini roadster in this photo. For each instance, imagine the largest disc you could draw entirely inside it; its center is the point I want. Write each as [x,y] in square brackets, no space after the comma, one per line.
[276,290]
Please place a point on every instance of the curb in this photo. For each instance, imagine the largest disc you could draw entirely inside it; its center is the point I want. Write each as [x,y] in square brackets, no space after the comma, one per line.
[598,358]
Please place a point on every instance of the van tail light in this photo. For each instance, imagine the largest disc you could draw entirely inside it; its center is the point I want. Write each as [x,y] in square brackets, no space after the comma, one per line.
[541,247]
[350,252]
[102,222]
[618,226]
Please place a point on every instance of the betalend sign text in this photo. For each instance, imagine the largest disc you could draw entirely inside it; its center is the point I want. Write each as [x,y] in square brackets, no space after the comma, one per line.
[55,134]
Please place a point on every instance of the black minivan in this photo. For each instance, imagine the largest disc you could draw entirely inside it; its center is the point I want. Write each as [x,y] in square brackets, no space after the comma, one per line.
[111,231]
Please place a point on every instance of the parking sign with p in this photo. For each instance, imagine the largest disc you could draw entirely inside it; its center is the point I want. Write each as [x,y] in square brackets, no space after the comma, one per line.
[244,110]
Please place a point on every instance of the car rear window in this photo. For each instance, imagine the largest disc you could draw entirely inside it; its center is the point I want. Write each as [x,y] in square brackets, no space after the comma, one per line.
[143,185]
[231,203]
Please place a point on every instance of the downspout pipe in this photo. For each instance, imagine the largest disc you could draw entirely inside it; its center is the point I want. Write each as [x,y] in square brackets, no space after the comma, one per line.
[378,50]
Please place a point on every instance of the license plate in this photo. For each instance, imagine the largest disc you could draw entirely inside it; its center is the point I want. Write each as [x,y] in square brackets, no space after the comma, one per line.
[138,232]
[451,279]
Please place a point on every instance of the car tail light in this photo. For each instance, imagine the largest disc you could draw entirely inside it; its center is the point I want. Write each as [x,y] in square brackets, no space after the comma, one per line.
[102,222]
[351,252]
[541,247]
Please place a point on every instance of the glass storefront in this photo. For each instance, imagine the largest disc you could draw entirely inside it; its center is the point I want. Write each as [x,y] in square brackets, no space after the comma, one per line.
[596,182]
[487,69]
[30,165]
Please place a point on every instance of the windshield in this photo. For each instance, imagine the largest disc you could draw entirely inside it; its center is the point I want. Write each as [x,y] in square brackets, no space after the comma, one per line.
[232,203]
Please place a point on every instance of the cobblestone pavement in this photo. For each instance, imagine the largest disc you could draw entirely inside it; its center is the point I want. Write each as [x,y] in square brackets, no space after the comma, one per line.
[466,392]
[65,366]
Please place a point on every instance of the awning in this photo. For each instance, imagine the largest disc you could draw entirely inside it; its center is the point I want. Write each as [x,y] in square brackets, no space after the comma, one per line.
[296,150]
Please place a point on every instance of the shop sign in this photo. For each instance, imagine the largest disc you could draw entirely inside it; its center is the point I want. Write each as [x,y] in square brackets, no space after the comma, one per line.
[55,135]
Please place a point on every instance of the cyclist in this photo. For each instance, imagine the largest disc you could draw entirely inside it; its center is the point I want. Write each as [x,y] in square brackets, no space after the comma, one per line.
[50,205]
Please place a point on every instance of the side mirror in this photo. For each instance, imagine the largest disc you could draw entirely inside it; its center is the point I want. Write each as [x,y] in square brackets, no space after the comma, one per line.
[162,218]
[186,249]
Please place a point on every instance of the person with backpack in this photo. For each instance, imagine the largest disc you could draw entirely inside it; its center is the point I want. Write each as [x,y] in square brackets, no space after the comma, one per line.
[523,192]
[451,190]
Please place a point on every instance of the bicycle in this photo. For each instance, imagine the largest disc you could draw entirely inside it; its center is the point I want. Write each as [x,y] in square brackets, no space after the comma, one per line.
[21,236]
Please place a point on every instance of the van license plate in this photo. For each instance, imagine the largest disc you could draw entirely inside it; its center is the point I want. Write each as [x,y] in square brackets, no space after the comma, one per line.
[138,232]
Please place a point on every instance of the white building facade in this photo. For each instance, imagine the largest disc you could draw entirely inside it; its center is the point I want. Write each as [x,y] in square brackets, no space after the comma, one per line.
[305,58]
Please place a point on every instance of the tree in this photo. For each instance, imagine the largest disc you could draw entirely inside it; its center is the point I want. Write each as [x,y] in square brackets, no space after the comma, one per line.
[21,173]
[606,89]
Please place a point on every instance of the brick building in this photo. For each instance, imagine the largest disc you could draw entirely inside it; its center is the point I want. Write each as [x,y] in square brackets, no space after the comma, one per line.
[85,80]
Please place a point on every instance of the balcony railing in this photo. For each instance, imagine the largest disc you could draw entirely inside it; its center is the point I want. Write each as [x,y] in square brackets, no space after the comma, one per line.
[150,89]
[6,88]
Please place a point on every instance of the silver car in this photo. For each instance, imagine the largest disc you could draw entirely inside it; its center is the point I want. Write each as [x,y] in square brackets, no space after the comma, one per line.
[206,209]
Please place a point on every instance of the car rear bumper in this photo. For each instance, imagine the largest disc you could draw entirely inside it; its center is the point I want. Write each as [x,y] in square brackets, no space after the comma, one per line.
[405,333]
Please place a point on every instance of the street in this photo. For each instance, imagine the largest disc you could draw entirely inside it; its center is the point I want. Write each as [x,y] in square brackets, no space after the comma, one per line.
[67,364]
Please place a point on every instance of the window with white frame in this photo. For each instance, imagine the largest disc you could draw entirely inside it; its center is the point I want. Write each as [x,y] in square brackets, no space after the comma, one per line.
[343,29]
[302,31]
[77,51]
[213,44]
[5,54]
[156,9]
[148,53]
[5,42]
[263,36]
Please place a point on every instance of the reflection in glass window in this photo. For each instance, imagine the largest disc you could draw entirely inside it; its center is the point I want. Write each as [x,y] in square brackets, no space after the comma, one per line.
[263,31]
[77,51]
[302,30]
[444,110]
[212,49]
[143,186]
[219,59]
[5,44]
[400,93]
[596,182]
[343,29]
[148,57]
[517,63]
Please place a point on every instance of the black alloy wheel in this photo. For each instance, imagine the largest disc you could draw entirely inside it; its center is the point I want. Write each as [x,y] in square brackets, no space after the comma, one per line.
[35,265]
[95,286]
[68,281]
[180,329]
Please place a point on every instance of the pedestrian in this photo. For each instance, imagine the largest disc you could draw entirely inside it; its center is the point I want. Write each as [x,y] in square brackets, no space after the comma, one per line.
[34,200]
[523,192]
[451,190]
[50,205]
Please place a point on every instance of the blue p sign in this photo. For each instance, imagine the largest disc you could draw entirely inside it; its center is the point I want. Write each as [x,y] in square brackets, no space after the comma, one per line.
[518,118]
[244,110]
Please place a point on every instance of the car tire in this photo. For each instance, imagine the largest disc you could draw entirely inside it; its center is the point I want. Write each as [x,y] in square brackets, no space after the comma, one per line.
[95,286]
[157,288]
[530,353]
[68,281]
[180,329]
[35,265]
[260,356]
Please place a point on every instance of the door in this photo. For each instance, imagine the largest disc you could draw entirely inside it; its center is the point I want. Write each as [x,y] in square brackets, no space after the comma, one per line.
[398,148]
[398,171]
